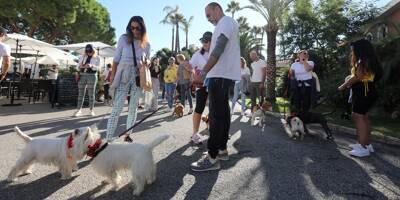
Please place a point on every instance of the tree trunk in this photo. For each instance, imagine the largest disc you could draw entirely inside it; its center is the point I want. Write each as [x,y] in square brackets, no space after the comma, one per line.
[173,31]
[187,42]
[177,47]
[271,63]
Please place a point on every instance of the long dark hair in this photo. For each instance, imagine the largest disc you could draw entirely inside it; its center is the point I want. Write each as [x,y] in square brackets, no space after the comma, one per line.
[144,39]
[364,56]
[152,62]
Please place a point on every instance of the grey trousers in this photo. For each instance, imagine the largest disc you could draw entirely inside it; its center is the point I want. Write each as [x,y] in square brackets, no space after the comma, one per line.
[87,82]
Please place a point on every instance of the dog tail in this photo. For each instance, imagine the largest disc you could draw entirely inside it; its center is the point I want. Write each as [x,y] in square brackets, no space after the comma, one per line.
[158,141]
[22,135]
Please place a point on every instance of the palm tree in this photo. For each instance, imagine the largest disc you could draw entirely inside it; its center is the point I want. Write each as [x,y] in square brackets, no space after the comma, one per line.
[233,7]
[186,25]
[272,11]
[177,19]
[256,30]
[168,20]
[243,24]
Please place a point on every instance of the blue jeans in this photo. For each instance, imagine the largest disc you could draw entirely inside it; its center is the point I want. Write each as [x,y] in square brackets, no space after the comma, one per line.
[170,91]
[237,92]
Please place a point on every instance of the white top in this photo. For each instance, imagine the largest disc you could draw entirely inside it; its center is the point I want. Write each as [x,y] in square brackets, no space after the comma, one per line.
[258,67]
[245,71]
[5,50]
[300,72]
[124,54]
[94,62]
[106,73]
[53,75]
[228,65]
[198,61]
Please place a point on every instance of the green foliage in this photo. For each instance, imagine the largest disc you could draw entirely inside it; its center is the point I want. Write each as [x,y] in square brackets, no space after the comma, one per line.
[58,21]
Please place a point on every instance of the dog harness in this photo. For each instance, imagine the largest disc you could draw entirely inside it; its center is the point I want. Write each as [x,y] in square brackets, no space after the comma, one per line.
[96,148]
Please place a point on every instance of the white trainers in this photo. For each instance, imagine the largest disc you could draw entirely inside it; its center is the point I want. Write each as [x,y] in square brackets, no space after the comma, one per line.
[357,145]
[359,151]
[78,113]
[92,113]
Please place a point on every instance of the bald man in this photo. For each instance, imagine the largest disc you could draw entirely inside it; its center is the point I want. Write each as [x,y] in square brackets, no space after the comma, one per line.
[221,70]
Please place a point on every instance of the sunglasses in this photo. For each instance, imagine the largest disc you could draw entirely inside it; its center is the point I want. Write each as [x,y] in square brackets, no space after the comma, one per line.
[136,28]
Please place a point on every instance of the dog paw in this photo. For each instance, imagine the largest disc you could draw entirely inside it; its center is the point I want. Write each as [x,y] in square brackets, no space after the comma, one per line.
[65,177]
[114,188]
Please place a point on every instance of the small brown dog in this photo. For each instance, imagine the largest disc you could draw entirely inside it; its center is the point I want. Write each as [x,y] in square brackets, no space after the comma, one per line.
[178,110]
[206,120]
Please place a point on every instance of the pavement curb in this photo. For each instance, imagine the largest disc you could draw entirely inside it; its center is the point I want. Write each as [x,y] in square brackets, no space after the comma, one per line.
[376,135]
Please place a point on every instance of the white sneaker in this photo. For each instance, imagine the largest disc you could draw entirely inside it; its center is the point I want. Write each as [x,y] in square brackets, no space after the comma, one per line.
[92,113]
[242,113]
[196,138]
[78,113]
[358,145]
[359,151]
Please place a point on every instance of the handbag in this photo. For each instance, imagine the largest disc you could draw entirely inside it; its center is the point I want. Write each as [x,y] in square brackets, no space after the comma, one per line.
[145,79]
[137,78]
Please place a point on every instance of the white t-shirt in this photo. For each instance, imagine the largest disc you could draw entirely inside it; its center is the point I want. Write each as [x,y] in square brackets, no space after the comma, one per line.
[228,65]
[53,75]
[258,67]
[300,72]
[5,50]
[106,73]
[245,71]
[198,61]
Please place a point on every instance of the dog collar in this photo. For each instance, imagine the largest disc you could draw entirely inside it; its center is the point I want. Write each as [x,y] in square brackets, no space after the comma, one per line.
[96,148]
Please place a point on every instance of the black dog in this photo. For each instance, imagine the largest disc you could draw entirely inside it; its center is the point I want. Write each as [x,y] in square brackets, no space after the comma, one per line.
[317,118]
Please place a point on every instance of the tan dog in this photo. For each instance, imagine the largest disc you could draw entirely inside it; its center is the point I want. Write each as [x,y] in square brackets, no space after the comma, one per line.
[178,110]
[260,112]
[206,120]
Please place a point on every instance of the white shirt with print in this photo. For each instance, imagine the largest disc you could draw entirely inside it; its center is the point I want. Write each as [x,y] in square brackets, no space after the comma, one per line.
[228,65]
[198,61]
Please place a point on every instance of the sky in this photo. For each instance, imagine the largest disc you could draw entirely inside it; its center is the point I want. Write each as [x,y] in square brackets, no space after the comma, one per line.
[159,34]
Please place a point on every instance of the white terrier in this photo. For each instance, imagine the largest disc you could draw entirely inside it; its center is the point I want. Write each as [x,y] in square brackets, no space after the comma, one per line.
[61,152]
[109,158]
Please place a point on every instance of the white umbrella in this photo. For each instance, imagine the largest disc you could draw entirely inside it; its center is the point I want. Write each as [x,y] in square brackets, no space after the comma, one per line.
[47,60]
[103,50]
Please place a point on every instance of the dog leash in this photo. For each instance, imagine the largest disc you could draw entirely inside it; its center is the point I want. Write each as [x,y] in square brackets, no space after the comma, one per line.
[129,139]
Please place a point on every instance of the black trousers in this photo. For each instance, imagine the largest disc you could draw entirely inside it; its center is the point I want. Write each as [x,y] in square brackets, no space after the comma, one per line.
[106,92]
[219,114]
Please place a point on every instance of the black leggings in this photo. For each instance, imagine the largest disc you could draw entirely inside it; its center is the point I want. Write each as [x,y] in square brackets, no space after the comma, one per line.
[201,99]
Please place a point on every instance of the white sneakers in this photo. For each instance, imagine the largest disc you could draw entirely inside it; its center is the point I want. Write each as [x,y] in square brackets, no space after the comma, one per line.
[360,151]
[79,113]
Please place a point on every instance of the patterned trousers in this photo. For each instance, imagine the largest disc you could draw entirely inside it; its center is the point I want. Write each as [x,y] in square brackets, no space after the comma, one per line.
[119,100]
[87,81]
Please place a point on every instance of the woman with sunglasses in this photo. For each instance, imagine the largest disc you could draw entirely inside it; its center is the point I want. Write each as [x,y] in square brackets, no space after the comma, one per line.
[301,71]
[87,78]
[133,49]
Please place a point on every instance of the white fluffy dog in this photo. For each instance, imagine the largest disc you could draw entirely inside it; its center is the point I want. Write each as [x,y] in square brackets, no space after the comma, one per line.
[62,152]
[138,158]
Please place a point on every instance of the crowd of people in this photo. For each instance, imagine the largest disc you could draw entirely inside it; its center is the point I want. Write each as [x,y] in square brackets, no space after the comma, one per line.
[210,73]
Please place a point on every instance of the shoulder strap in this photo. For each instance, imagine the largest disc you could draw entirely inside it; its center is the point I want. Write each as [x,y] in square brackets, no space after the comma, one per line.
[134,54]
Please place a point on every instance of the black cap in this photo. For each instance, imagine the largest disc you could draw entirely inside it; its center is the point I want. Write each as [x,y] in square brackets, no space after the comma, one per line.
[3,30]
[89,48]
[206,37]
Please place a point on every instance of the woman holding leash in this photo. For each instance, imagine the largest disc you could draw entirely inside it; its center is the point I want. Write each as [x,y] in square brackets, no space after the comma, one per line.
[133,49]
